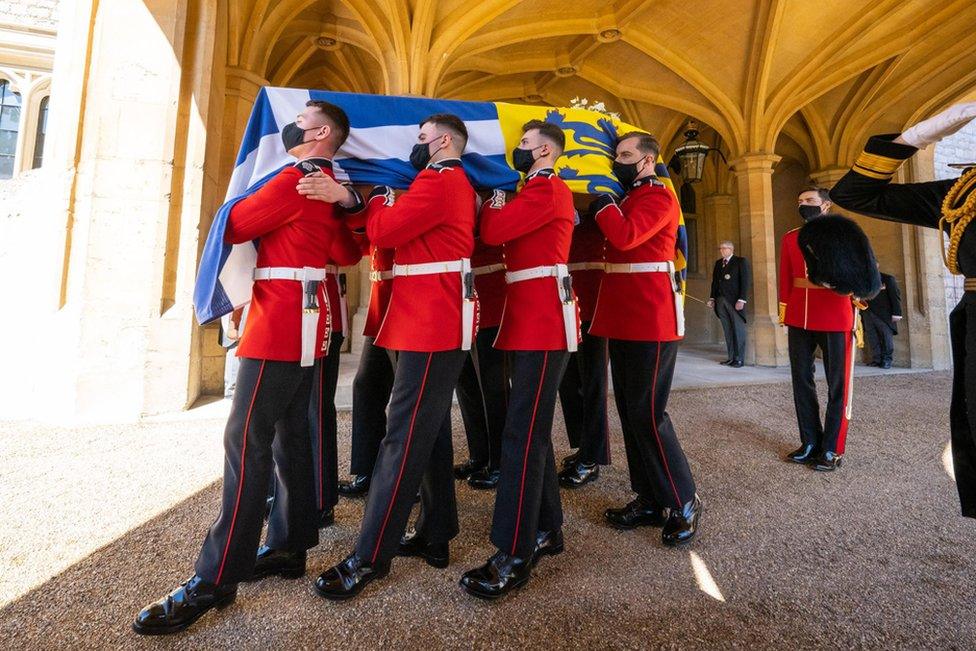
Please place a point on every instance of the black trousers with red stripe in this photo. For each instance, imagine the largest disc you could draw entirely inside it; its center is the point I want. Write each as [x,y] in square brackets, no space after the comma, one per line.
[836,349]
[268,426]
[642,372]
[370,395]
[417,449]
[527,500]
[483,398]
[583,396]
[322,426]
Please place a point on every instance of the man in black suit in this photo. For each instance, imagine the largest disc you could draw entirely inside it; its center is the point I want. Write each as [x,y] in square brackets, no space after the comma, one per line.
[881,321]
[731,280]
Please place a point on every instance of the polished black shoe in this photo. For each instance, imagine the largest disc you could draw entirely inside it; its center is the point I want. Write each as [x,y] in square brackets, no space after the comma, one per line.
[682,525]
[885,364]
[326,518]
[355,487]
[637,513]
[348,578]
[496,578]
[736,364]
[827,462]
[183,606]
[803,454]
[570,459]
[578,474]
[547,543]
[485,479]
[726,362]
[464,470]
[288,565]
[436,554]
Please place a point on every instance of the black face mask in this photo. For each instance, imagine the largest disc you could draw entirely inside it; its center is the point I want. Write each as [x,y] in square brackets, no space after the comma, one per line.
[810,212]
[626,173]
[523,159]
[420,155]
[293,135]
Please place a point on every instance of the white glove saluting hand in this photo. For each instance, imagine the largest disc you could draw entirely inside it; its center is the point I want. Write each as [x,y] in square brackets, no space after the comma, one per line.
[936,128]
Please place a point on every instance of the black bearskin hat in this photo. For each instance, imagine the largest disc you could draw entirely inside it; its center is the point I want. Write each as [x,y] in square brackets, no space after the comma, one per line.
[839,256]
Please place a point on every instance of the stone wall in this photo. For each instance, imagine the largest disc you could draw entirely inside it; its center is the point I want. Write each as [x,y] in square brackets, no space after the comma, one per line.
[36,13]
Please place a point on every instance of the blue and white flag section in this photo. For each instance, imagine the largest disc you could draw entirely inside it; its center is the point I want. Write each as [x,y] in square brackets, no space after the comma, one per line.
[383,129]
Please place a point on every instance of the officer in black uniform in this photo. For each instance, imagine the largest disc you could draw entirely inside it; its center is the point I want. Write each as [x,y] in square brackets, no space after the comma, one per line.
[949,205]
[881,321]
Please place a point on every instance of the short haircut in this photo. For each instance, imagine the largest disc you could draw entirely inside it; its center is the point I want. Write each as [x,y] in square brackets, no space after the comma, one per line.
[549,131]
[727,243]
[822,192]
[646,143]
[336,117]
[451,123]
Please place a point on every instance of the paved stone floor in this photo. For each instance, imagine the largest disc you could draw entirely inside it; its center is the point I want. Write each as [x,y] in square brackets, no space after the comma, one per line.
[97,521]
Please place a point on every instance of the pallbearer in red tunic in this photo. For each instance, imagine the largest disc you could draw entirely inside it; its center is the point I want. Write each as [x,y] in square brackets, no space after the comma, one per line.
[430,323]
[583,392]
[639,311]
[484,385]
[816,317]
[539,327]
[282,348]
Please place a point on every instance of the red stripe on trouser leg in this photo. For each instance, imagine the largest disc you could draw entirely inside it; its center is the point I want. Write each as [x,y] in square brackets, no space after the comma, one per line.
[240,480]
[657,436]
[525,458]
[844,421]
[321,449]
[403,462]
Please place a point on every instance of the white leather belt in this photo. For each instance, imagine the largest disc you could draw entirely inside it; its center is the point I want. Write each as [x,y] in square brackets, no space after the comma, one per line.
[563,290]
[651,267]
[429,268]
[638,267]
[310,308]
[587,266]
[462,267]
[549,271]
[488,269]
[377,276]
[303,274]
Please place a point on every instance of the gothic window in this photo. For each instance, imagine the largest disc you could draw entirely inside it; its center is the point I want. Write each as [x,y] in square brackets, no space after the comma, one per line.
[9,125]
[41,132]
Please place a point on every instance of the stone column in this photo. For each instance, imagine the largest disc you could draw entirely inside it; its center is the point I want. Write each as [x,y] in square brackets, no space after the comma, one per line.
[359,318]
[753,174]
[132,97]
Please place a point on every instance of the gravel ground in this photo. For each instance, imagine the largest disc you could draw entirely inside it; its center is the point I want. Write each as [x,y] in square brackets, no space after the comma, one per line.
[872,556]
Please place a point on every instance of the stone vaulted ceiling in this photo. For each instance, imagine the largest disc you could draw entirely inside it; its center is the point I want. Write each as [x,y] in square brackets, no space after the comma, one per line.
[820,74]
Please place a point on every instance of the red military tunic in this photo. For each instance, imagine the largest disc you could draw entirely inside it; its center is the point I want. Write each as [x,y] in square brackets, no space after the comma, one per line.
[587,248]
[294,231]
[490,286]
[803,305]
[643,228]
[344,252]
[380,262]
[536,228]
[433,221]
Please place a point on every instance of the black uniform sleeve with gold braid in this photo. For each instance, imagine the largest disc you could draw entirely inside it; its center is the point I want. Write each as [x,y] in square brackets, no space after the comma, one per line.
[867,187]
